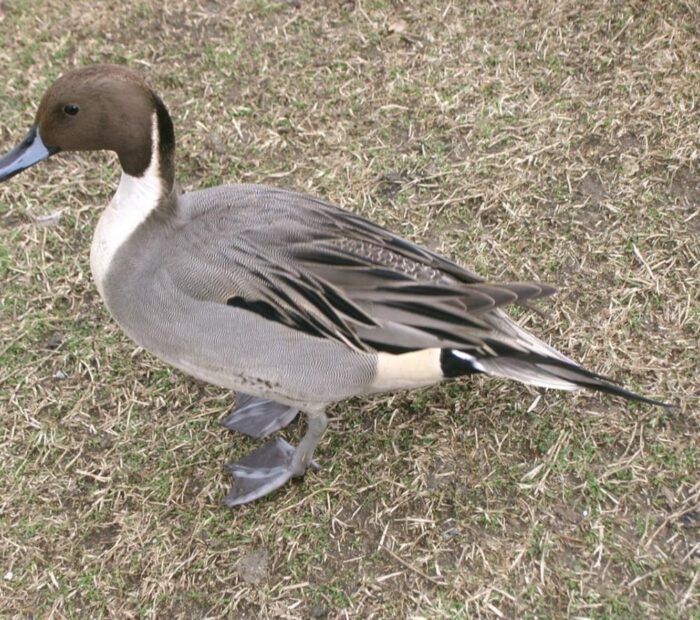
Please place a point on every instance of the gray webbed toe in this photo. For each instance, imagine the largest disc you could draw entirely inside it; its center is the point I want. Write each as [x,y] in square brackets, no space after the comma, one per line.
[258,417]
[262,471]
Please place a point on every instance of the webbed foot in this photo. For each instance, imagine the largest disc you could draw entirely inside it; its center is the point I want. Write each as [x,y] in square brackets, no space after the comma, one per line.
[258,417]
[264,470]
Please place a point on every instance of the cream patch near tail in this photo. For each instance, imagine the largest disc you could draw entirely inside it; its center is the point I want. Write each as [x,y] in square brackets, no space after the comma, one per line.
[407,370]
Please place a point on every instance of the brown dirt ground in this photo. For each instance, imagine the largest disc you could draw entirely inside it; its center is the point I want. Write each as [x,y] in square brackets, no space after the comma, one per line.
[550,140]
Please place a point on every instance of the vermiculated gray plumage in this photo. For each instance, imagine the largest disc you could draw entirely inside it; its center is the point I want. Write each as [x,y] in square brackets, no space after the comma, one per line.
[297,296]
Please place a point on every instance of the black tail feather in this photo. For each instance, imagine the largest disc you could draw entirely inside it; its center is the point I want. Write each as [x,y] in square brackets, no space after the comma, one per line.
[536,369]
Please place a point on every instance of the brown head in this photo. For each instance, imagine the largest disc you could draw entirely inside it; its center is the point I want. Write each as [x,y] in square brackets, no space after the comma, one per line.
[100,107]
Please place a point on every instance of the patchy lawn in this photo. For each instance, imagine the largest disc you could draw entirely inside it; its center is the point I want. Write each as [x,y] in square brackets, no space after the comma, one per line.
[547,142]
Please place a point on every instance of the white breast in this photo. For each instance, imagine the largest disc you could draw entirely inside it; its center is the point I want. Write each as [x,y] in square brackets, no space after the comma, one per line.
[135,199]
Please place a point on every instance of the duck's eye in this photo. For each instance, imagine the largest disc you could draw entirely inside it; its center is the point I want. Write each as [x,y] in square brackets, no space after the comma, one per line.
[71,109]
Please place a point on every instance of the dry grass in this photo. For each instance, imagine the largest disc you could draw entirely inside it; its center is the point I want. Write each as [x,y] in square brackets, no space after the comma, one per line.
[549,141]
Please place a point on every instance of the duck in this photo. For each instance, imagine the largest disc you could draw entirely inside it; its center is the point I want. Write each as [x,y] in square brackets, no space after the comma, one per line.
[289,301]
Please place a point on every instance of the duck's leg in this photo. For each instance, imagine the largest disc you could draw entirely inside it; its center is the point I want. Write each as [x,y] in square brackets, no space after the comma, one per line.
[269,467]
[316,424]
[258,417]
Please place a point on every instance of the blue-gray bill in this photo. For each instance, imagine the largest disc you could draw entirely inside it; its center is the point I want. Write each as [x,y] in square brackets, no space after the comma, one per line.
[30,151]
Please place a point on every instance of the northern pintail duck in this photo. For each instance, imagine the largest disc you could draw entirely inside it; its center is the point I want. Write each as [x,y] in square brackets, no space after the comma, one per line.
[284,298]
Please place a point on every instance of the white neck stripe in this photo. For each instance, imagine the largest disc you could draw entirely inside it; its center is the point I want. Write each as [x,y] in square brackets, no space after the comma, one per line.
[134,200]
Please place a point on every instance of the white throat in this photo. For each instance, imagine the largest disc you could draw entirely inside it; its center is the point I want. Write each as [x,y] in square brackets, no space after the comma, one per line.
[134,200]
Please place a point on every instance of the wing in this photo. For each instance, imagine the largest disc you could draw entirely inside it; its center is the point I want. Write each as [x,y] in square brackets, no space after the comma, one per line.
[313,267]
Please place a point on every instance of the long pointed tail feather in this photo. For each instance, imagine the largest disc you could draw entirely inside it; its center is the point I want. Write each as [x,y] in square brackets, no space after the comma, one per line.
[536,369]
